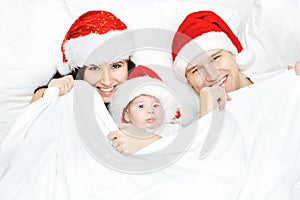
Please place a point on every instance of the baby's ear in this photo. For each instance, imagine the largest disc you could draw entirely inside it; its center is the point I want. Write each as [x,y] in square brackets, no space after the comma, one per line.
[126,116]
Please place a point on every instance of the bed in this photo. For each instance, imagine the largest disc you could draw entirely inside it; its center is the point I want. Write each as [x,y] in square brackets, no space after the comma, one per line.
[254,156]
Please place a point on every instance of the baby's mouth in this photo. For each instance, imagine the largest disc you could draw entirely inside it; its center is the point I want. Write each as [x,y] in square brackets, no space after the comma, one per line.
[150,120]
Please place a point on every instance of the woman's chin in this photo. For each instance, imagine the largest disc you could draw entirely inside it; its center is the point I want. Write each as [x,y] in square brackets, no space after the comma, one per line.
[106,99]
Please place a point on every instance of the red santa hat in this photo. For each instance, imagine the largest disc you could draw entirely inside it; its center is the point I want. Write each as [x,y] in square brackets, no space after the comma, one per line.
[88,31]
[144,81]
[202,31]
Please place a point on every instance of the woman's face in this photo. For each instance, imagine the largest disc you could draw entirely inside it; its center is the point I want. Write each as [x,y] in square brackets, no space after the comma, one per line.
[145,111]
[106,77]
[215,67]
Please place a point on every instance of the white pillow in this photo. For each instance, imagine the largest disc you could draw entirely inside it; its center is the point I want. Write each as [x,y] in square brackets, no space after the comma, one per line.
[30,37]
[272,33]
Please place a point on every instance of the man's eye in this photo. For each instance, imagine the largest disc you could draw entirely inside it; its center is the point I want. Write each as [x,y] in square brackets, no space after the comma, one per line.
[196,69]
[216,57]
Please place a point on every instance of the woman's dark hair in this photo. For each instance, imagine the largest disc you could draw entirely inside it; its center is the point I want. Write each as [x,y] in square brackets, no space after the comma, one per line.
[73,73]
[131,65]
[78,73]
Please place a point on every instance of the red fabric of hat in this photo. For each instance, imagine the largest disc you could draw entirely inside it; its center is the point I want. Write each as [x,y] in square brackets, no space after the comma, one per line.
[143,71]
[99,22]
[86,33]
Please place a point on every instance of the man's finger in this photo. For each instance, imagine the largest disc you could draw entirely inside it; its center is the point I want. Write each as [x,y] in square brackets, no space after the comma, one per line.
[221,103]
[297,68]
[228,98]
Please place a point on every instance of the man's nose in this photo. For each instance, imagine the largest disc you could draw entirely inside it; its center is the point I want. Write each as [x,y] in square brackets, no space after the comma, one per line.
[212,75]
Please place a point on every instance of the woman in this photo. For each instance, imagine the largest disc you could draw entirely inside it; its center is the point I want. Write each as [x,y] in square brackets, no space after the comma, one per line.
[89,31]
[86,34]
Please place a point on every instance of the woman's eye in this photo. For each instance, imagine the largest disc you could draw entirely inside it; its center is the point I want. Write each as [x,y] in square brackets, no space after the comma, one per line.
[116,66]
[94,68]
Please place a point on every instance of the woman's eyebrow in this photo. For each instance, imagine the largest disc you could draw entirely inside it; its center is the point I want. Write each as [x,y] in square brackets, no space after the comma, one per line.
[93,65]
[119,62]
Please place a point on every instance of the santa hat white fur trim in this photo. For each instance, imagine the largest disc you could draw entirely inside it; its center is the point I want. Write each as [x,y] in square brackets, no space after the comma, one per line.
[244,59]
[134,87]
[77,50]
[205,42]
[65,68]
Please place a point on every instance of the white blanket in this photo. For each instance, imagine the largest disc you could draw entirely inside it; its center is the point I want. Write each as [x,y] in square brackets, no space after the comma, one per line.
[54,151]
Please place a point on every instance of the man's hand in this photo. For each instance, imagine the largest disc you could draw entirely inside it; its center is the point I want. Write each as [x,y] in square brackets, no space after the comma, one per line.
[212,98]
[296,68]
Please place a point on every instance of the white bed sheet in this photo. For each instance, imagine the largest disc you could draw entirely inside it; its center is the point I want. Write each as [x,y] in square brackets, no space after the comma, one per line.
[256,156]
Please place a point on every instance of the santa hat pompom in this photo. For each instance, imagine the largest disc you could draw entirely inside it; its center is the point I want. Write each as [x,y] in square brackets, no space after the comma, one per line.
[203,31]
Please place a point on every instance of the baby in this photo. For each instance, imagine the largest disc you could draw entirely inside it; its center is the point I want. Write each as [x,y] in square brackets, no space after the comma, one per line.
[144,111]
[146,102]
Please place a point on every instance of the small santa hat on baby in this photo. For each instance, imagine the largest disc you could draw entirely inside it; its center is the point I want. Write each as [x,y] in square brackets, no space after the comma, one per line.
[144,81]
[202,31]
[88,32]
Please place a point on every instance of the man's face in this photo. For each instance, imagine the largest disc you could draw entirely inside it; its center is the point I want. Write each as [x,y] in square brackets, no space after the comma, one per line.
[213,67]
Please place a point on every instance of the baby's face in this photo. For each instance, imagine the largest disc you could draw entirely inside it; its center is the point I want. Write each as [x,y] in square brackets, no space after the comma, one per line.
[145,111]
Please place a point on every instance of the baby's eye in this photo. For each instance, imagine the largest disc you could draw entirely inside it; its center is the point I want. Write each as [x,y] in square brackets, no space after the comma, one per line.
[156,105]
[141,106]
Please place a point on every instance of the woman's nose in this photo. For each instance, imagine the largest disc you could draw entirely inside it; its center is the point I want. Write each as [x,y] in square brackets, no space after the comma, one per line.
[105,78]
